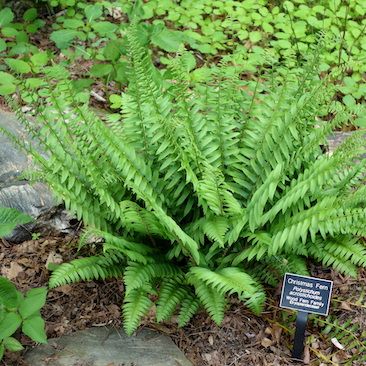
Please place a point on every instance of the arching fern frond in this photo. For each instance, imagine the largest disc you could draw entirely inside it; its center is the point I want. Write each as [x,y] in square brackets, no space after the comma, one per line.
[171,294]
[212,300]
[87,269]
[188,308]
[136,304]
[136,274]
[228,280]
[343,253]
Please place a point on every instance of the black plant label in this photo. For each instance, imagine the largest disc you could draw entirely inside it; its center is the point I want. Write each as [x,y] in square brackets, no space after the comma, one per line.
[307,294]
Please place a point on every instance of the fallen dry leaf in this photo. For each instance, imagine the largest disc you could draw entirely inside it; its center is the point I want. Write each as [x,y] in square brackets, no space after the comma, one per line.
[207,357]
[65,289]
[268,331]
[335,359]
[12,271]
[346,306]
[306,355]
[315,344]
[53,258]
[266,342]
[336,343]
[277,331]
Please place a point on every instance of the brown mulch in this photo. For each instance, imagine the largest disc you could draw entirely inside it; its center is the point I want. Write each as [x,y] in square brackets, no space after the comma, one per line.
[243,339]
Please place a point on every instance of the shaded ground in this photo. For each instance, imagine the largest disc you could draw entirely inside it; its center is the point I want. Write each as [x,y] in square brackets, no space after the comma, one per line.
[243,339]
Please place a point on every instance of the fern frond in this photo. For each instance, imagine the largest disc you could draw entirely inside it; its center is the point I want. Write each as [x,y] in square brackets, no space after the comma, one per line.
[326,217]
[343,253]
[136,219]
[188,308]
[302,187]
[264,193]
[216,228]
[212,300]
[171,294]
[87,269]
[348,333]
[271,270]
[228,280]
[136,304]
[121,243]
[137,274]
[256,302]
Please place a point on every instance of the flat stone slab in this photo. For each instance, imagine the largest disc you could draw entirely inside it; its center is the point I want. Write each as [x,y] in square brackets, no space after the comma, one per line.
[108,347]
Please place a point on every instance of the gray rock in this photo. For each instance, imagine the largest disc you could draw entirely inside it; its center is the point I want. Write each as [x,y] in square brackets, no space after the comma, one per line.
[35,200]
[336,139]
[108,347]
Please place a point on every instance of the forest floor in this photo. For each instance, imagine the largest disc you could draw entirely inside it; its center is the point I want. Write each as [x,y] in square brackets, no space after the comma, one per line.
[243,339]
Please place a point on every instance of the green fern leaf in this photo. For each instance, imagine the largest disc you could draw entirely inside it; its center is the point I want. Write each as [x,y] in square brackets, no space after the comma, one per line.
[188,308]
[171,294]
[212,300]
[87,269]
[10,218]
[136,305]
[137,275]
[216,228]
[226,281]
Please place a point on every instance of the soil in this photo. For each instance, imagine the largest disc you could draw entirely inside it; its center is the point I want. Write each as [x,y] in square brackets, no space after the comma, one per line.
[243,339]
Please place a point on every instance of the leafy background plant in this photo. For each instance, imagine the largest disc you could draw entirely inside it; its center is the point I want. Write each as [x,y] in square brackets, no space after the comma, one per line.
[249,35]
[18,310]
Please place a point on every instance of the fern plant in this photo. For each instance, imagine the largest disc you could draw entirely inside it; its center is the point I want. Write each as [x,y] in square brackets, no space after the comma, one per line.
[201,191]
[348,333]
[10,218]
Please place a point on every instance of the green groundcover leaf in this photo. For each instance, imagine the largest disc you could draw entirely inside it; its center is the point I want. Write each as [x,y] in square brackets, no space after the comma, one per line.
[113,50]
[34,328]
[9,324]
[100,70]
[167,40]
[33,302]
[6,16]
[2,45]
[12,344]
[93,12]
[30,14]
[7,89]
[39,59]
[63,37]
[8,293]
[104,28]
[19,66]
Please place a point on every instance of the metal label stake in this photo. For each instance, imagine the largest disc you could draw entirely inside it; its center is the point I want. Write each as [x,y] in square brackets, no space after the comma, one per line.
[301,321]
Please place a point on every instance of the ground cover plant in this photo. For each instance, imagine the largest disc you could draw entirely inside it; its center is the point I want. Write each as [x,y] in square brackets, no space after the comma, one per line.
[250,35]
[205,191]
[18,310]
